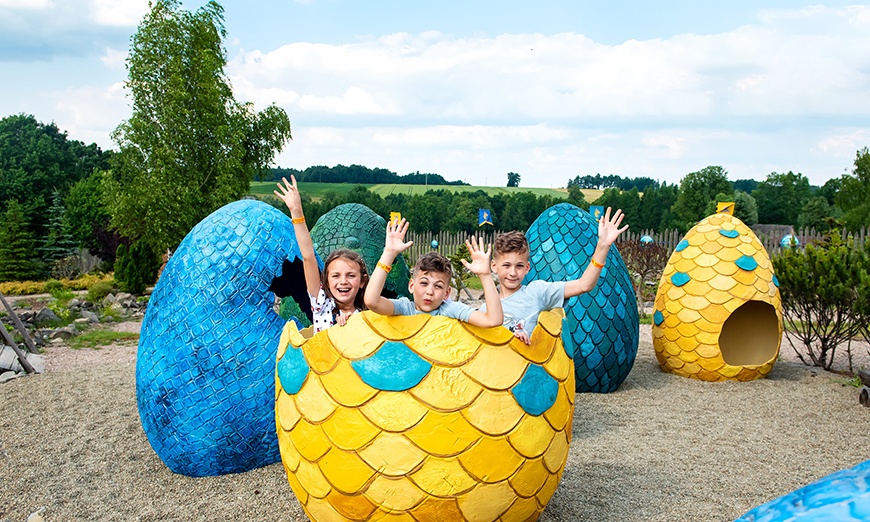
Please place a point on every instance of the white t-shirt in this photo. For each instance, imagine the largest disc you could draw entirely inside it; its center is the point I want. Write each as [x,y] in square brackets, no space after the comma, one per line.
[522,307]
[322,310]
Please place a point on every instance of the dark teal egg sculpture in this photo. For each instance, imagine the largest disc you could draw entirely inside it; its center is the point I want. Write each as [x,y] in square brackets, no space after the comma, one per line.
[843,496]
[601,327]
[205,368]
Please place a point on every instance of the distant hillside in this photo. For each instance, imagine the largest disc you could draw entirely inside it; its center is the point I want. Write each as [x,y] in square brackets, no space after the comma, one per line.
[318,190]
[358,175]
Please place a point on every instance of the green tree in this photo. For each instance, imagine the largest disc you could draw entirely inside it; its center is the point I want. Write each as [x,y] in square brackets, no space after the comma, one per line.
[16,246]
[697,189]
[627,200]
[189,147]
[745,208]
[780,198]
[654,211]
[816,214]
[88,218]
[854,194]
[35,159]
[137,267]
[513,179]
[57,243]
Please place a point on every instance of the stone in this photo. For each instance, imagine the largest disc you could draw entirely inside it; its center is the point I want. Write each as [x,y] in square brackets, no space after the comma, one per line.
[81,321]
[109,300]
[125,299]
[46,316]
[61,334]
[75,302]
[90,316]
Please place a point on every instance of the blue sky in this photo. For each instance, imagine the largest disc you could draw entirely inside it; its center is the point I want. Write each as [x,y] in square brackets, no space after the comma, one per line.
[474,90]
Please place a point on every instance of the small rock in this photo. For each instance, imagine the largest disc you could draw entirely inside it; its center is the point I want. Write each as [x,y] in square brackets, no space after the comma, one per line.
[46,316]
[8,376]
[75,302]
[108,319]
[56,340]
[81,321]
[90,316]
[124,299]
[63,334]
[109,300]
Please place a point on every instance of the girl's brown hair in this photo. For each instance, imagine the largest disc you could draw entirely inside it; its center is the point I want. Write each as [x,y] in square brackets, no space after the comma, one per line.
[353,257]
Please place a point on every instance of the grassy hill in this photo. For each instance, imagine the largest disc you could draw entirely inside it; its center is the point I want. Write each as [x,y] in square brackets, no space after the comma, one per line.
[318,190]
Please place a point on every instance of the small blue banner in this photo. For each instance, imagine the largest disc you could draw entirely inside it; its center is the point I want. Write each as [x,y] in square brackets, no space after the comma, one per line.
[484,217]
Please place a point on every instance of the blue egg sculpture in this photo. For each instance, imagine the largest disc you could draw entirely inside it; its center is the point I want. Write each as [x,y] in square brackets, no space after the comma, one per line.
[789,241]
[842,496]
[601,327]
[205,368]
[434,244]
[646,240]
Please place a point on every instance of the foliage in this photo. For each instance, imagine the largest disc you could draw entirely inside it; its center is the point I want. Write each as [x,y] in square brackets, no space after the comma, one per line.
[290,308]
[22,287]
[628,201]
[854,194]
[780,198]
[16,246]
[745,185]
[357,175]
[84,282]
[513,179]
[824,289]
[88,218]
[57,242]
[98,338]
[42,287]
[98,291]
[37,159]
[189,147]
[645,263]
[816,214]
[137,267]
[461,275]
[745,208]
[697,189]
[654,210]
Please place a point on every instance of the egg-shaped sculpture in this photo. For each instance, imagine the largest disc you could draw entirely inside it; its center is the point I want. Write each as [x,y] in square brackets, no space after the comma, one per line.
[206,358]
[602,325]
[718,314]
[843,496]
[789,241]
[358,228]
[423,418]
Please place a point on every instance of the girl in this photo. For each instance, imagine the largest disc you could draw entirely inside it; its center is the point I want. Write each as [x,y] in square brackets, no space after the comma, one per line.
[335,295]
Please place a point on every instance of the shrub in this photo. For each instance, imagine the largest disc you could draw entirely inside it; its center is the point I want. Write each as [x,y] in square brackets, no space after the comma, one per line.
[53,286]
[824,289]
[137,267]
[22,287]
[98,291]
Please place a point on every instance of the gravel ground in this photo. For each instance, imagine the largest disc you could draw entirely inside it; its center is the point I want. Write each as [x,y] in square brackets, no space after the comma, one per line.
[661,448]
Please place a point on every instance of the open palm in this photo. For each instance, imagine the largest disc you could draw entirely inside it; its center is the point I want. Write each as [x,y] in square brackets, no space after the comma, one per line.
[608,227]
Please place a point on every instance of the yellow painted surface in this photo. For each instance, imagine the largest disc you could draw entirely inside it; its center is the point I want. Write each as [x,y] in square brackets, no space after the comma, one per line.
[345,470]
[348,429]
[394,411]
[486,502]
[494,413]
[491,459]
[446,389]
[496,367]
[345,386]
[393,455]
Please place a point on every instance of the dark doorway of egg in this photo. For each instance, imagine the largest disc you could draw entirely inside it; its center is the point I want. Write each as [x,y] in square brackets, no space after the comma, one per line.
[751,335]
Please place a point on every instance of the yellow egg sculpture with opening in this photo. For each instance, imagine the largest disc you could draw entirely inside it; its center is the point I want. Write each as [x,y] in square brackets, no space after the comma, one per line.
[423,418]
[718,314]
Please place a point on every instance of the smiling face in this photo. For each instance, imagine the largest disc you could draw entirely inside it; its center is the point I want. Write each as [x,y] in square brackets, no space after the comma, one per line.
[511,268]
[429,289]
[343,279]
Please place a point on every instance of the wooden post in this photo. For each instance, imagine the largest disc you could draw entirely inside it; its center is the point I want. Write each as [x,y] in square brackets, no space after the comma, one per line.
[31,347]
[22,358]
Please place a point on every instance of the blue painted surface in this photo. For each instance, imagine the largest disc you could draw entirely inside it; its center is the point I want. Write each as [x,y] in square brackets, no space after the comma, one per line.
[658,317]
[775,280]
[681,245]
[394,367]
[680,278]
[841,496]
[205,369]
[603,323]
[729,233]
[747,263]
[292,370]
[536,392]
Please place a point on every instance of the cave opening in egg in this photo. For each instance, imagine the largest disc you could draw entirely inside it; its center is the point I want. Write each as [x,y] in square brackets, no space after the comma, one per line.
[751,335]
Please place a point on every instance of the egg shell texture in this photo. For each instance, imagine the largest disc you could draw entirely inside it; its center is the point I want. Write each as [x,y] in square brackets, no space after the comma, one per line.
[601,326]
[205,365]
[457,445]
[716,269]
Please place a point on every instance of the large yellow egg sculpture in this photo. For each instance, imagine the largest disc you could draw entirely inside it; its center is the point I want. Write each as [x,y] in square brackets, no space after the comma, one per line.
[423,418]
[718,314]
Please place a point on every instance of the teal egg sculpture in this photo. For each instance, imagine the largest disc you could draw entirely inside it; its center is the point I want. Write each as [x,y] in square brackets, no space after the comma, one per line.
[601,326]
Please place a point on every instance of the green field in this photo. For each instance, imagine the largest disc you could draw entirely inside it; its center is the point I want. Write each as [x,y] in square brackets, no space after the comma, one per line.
[318,190]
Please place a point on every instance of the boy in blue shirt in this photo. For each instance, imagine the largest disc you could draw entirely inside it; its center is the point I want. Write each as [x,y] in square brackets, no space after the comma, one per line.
[430,283]
[520,303]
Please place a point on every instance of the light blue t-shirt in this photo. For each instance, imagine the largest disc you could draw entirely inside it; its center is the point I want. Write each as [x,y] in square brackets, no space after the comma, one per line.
[454,309]
[521,308]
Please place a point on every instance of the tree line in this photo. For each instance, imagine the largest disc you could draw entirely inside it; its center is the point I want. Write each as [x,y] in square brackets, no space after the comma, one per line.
[356,174]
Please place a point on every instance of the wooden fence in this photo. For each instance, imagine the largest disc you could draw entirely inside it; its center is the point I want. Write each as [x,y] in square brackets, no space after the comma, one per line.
[449,242]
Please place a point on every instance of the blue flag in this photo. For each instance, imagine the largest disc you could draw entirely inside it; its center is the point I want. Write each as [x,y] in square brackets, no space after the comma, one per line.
[597,212]
[484,217]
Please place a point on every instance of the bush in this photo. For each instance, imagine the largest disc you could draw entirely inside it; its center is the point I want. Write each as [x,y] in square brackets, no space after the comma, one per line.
[53,286]
[137,267]
[98,291]
[824,289]
[22,287]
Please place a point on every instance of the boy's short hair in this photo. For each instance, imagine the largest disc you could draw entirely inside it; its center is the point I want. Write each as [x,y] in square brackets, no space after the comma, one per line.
[434,262]
[510,242]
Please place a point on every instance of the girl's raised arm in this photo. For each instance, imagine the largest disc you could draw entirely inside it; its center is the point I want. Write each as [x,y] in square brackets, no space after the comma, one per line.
[289,194]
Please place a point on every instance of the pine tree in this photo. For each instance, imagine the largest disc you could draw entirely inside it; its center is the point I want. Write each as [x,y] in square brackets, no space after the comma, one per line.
[16,246]
[58,242]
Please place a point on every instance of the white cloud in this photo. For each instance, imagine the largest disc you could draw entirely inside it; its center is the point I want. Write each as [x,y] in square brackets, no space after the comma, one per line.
[114,58]
[36,5]
[114,13]
[90,113]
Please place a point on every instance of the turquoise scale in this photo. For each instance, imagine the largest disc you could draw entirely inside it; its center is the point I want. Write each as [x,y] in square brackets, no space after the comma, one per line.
[537,390]
[393,367]
[292,370]
[602,324]
[747,263]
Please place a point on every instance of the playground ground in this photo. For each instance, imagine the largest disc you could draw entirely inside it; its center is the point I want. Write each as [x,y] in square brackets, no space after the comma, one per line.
[661,448]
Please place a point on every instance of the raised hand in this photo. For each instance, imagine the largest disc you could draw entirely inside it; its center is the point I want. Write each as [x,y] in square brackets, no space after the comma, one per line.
[479,264]
[289,194]
[608,227]
[395,242]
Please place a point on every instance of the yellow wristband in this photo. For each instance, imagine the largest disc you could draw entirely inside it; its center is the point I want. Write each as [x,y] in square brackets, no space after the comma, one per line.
[596,263]
[385,268]
[300,219]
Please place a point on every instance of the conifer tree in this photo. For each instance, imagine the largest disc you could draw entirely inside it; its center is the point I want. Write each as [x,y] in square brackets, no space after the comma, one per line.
[16,246]
[58,242]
